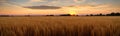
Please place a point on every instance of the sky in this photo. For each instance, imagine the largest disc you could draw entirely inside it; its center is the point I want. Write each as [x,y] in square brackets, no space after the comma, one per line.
[43,7]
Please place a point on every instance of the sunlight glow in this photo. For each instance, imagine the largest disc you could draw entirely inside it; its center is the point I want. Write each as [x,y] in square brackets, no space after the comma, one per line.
[72,11]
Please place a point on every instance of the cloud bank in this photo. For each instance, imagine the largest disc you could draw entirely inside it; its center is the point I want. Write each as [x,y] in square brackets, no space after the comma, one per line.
[43,7]
[31,1]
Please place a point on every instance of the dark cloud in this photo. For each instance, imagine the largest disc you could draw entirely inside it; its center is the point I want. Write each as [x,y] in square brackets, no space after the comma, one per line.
[43,7]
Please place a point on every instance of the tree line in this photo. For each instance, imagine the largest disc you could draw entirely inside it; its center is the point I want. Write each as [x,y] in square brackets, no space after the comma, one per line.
[100,14]
[110,14]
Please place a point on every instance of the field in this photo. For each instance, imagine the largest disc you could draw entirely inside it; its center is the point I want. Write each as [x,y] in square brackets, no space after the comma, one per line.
[60,26]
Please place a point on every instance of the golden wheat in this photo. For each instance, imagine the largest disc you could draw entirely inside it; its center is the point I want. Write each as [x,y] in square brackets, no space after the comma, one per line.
[60,26]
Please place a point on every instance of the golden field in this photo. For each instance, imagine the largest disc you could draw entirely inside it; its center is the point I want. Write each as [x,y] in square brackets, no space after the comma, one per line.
[60,26]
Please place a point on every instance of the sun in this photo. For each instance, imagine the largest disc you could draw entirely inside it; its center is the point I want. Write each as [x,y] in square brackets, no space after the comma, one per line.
[72,12]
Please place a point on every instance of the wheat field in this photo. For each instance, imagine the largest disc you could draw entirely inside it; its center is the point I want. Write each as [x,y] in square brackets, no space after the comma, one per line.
[60,26]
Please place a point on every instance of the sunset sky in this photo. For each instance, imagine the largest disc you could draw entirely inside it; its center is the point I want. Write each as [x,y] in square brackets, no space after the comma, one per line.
[36,7]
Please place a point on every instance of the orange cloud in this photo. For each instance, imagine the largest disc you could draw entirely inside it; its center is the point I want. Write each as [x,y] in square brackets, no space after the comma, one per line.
[36,1]
[75,0]
[78,0]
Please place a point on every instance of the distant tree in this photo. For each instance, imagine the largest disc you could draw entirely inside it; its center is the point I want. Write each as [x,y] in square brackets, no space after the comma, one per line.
[49,15]
[87,15]
[112,14]
[117,14]
[100,14]
[91,15]
[65,15]
[4,15]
